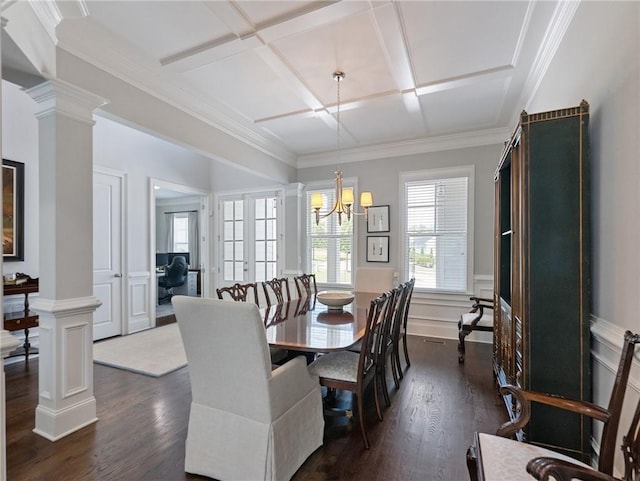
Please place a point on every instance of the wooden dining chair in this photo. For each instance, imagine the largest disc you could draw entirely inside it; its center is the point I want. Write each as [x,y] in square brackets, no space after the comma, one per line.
[354,371]
[276,290]
[240,292]
[306,285]
[403,328]
[494,457]
[474,320]
[383,343]
[396,332]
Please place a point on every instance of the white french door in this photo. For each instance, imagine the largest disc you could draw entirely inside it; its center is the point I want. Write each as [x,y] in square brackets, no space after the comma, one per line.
[107,254]
[249,237]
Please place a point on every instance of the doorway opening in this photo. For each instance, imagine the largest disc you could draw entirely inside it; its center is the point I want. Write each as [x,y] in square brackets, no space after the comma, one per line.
[179,229]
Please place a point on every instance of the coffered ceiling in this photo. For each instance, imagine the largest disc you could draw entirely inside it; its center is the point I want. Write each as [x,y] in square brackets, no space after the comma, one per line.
[418,73]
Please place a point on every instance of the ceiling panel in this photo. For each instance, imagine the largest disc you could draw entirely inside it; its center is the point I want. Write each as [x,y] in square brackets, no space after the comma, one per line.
[266,12]
[451,39]
[383,120]
[304,134]
[479,105]
[247,85]
[160,28]
[350,45]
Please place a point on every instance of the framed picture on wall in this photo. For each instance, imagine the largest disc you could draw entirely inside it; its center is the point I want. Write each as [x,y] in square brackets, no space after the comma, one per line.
[378,248]
[378,219]
[12,210]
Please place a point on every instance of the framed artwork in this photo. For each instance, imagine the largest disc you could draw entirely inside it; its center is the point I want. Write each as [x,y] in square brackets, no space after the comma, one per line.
[378,219]
[12,210]
[378,248]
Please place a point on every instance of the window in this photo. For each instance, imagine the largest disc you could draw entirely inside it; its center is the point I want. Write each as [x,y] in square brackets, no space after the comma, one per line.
[249,237]
[180,233]
[329,245]
[436,227]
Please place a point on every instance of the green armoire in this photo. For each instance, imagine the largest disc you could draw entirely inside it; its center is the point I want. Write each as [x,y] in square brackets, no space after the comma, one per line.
[542,272]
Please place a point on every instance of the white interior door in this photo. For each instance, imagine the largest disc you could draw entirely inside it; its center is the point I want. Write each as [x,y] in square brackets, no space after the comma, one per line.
[107,254]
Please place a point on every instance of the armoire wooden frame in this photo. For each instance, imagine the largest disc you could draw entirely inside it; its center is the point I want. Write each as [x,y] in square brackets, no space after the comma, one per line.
[542,272]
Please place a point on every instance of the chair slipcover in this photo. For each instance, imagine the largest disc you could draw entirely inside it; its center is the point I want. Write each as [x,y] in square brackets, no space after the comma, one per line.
[247,422]
[506,459]
[486,320]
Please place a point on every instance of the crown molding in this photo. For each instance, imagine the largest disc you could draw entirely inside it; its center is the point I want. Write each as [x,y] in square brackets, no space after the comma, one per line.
[49,16]
[412,147]
[558,26]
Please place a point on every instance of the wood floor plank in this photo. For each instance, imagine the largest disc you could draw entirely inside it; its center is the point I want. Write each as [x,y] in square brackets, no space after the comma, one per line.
[142,425]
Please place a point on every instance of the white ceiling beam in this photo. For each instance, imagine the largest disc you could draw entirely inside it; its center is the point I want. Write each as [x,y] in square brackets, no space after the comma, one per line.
[465,80]
[390,31]
[330,12]
[246,36]
[209,52]
[230,16]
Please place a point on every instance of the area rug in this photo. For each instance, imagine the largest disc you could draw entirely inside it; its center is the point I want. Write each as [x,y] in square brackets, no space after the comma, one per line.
[154,352]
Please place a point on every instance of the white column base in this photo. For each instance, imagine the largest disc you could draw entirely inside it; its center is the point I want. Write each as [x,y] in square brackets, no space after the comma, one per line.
[66,401]
[53,425]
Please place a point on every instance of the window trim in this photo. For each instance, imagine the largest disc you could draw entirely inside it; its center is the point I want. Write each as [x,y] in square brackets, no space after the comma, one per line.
[323,185]
[431,174]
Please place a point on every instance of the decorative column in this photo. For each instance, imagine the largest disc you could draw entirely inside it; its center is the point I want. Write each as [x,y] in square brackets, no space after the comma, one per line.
[66,302]
[292,232]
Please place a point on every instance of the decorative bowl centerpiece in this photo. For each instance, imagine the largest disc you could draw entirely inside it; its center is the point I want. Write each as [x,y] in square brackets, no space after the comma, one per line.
[335,317]
[335,300]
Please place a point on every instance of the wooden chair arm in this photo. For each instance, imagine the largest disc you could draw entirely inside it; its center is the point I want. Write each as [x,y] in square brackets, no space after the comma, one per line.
[524,398]
[546,469]
[481,303]
[481,299]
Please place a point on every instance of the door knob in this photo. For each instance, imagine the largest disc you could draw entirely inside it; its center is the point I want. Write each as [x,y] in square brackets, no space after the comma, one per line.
[117,275]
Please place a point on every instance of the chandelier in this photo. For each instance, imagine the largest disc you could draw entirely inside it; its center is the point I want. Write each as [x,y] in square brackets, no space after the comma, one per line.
[344,197]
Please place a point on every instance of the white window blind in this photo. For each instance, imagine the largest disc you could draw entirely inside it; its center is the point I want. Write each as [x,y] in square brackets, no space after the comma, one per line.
[436,231]
[329,245]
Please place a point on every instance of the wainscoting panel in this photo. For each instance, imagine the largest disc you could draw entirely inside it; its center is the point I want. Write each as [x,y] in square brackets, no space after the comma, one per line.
[138,312]
[606,346]
[437,315]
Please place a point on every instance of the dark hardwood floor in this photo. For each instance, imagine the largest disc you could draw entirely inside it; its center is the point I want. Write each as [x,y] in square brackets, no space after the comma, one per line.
[142,425]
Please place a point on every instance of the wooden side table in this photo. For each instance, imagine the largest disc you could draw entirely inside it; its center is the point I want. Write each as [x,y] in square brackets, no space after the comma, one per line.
[26,319]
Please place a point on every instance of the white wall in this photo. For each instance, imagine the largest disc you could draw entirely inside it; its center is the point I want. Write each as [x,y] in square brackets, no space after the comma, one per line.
[381,176]
[431,314]
[142,156]
[598,60]
[20,143]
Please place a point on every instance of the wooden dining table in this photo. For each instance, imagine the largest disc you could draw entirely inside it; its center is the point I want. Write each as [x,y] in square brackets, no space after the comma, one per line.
[307,325]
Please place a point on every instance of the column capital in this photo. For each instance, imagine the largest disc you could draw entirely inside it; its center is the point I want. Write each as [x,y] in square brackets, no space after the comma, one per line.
[56,96]
[294,189]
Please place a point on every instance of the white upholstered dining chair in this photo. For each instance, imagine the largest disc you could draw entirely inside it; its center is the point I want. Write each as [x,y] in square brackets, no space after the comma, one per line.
[374,279]
[246,422]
